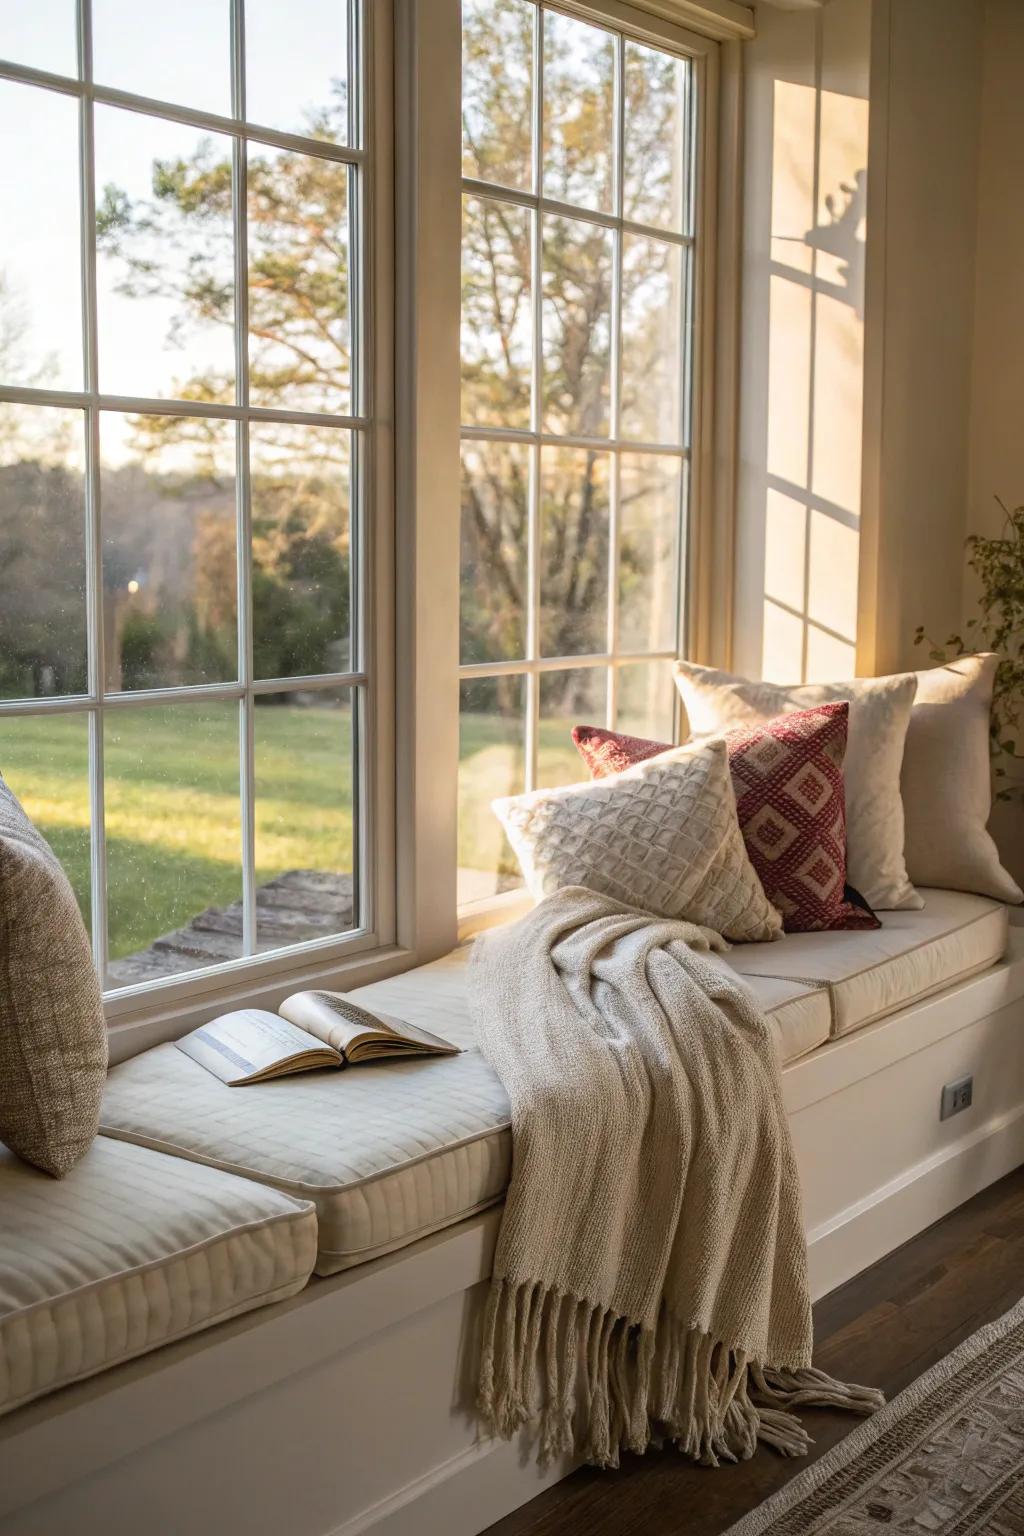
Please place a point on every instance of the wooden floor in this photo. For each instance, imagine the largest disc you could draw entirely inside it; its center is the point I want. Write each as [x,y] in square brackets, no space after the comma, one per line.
[884,1328]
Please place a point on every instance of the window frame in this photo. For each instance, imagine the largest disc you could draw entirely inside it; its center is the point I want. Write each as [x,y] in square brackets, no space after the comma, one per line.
[704,578]
[368,427]
[411,250]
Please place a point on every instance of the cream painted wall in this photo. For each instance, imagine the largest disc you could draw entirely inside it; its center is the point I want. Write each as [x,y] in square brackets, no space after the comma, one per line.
[927,60]
[802,353]
[996,456]
[997,404]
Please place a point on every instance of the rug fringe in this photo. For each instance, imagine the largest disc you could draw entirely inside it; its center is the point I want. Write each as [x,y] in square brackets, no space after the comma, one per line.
[601,1385]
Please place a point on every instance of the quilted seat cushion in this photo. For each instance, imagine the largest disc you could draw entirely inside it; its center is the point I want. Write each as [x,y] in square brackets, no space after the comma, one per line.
[911,956]
[129,1251]
[388,1152]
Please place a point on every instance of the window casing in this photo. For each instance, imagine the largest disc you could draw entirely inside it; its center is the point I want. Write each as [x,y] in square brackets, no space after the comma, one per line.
[580,293]
[193,670]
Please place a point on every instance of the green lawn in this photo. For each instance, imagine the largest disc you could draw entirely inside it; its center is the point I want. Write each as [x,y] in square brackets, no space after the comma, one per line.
[172,806]
[172,812]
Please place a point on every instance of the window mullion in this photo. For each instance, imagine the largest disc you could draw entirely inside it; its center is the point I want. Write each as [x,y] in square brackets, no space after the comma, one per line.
[533,537]
[618,176]
[94,539]
[243,489]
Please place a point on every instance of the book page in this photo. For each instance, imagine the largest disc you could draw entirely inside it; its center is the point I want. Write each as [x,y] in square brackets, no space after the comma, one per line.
[249,1043]
[334,1018]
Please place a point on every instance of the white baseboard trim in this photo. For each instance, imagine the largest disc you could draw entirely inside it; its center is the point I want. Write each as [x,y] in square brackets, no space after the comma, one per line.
[866,1231]
[463,1495]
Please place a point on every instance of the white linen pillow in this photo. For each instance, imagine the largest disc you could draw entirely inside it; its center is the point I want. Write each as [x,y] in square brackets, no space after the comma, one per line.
[947,781]
[663,836]
[879,715]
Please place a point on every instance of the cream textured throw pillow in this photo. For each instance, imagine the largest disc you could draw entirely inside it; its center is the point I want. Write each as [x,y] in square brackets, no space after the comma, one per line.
[662,836]
[53,1038]
[879,715]
[947,781]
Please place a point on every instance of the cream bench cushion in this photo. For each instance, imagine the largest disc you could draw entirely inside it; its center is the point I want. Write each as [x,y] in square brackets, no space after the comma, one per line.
[388,1152]
[129,1251]
[912,955]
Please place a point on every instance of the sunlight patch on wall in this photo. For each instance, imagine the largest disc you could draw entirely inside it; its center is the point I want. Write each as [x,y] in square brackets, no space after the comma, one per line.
[814,384]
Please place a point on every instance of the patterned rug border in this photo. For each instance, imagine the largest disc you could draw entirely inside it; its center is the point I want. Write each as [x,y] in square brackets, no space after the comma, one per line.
[788,1498]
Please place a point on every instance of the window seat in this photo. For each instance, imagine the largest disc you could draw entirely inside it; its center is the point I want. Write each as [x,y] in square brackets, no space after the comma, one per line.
[398,1189]
[131,1250]
[390,1153]
[154,1236]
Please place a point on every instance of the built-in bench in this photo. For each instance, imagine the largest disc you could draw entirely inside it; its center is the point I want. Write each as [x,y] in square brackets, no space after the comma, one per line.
[199,1202]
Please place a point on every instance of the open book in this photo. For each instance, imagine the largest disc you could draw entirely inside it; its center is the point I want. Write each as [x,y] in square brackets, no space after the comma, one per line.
[311,1029]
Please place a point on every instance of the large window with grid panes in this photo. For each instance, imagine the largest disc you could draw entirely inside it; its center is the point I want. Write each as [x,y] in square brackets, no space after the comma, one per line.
[578,259]
[186,408]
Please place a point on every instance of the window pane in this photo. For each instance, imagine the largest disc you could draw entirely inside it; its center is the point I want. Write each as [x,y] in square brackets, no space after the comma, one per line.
[646,701]
[497,351]
[495,513]
[305,822]
[299,315]
[654,179]
[652,377]
[579,112]
[181,54]
[40,268]
[497,103]
[574,552]
[301,549]
[165,284]
[169,551]
[567,699]
[649,487]
[40,33]
[173,824]
[492,724]
[296,62]
[45,760]
[42,551]
[577,327]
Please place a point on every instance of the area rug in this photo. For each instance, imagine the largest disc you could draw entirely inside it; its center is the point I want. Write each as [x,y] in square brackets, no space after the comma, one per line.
[945,1458]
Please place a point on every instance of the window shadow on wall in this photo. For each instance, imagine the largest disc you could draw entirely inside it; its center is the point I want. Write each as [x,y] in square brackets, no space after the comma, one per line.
[814,382]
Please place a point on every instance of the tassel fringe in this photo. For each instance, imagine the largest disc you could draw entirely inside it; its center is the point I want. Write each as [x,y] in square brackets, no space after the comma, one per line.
[600,1385]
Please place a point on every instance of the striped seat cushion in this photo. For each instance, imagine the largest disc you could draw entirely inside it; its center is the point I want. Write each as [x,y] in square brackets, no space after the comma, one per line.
[131,1250]
[389,1152]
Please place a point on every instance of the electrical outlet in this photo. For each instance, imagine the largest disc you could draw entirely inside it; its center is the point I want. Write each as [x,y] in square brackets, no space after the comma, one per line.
[956,1097]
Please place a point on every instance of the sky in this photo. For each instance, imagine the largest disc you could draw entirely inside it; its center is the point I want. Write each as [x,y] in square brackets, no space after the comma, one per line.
[179,53]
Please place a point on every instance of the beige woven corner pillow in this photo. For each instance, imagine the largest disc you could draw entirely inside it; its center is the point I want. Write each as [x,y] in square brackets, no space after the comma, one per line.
[947,782]
[53,1039]
[879,715]
[663,836]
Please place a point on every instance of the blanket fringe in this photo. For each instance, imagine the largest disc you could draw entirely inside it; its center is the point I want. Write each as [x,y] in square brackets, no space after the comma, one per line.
[600,1385]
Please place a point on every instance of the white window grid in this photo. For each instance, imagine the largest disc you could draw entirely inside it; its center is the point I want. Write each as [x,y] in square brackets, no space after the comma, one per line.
[97,701]
[532,665]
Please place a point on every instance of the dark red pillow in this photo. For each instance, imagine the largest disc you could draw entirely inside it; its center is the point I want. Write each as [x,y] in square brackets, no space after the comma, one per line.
[788,778]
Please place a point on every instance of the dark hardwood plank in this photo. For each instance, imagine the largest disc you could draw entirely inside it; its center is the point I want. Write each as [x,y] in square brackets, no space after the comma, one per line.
[885,1328]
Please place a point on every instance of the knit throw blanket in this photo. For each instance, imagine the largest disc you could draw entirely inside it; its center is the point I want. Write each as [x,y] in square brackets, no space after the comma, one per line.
[650,1279]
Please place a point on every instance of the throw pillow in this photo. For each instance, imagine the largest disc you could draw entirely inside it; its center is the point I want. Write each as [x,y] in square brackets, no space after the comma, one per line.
[788,780]
[947,781]
[53,1037]
[662,836]
[879,715]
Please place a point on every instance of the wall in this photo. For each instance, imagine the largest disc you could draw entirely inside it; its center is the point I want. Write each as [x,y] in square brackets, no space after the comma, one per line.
[802,354]
[996,449]
[926,65]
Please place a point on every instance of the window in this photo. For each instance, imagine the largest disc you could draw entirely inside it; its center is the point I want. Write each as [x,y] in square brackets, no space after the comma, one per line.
[185,500]
[577,323]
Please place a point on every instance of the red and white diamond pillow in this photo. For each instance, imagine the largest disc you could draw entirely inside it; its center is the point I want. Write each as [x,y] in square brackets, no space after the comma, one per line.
[788,777]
